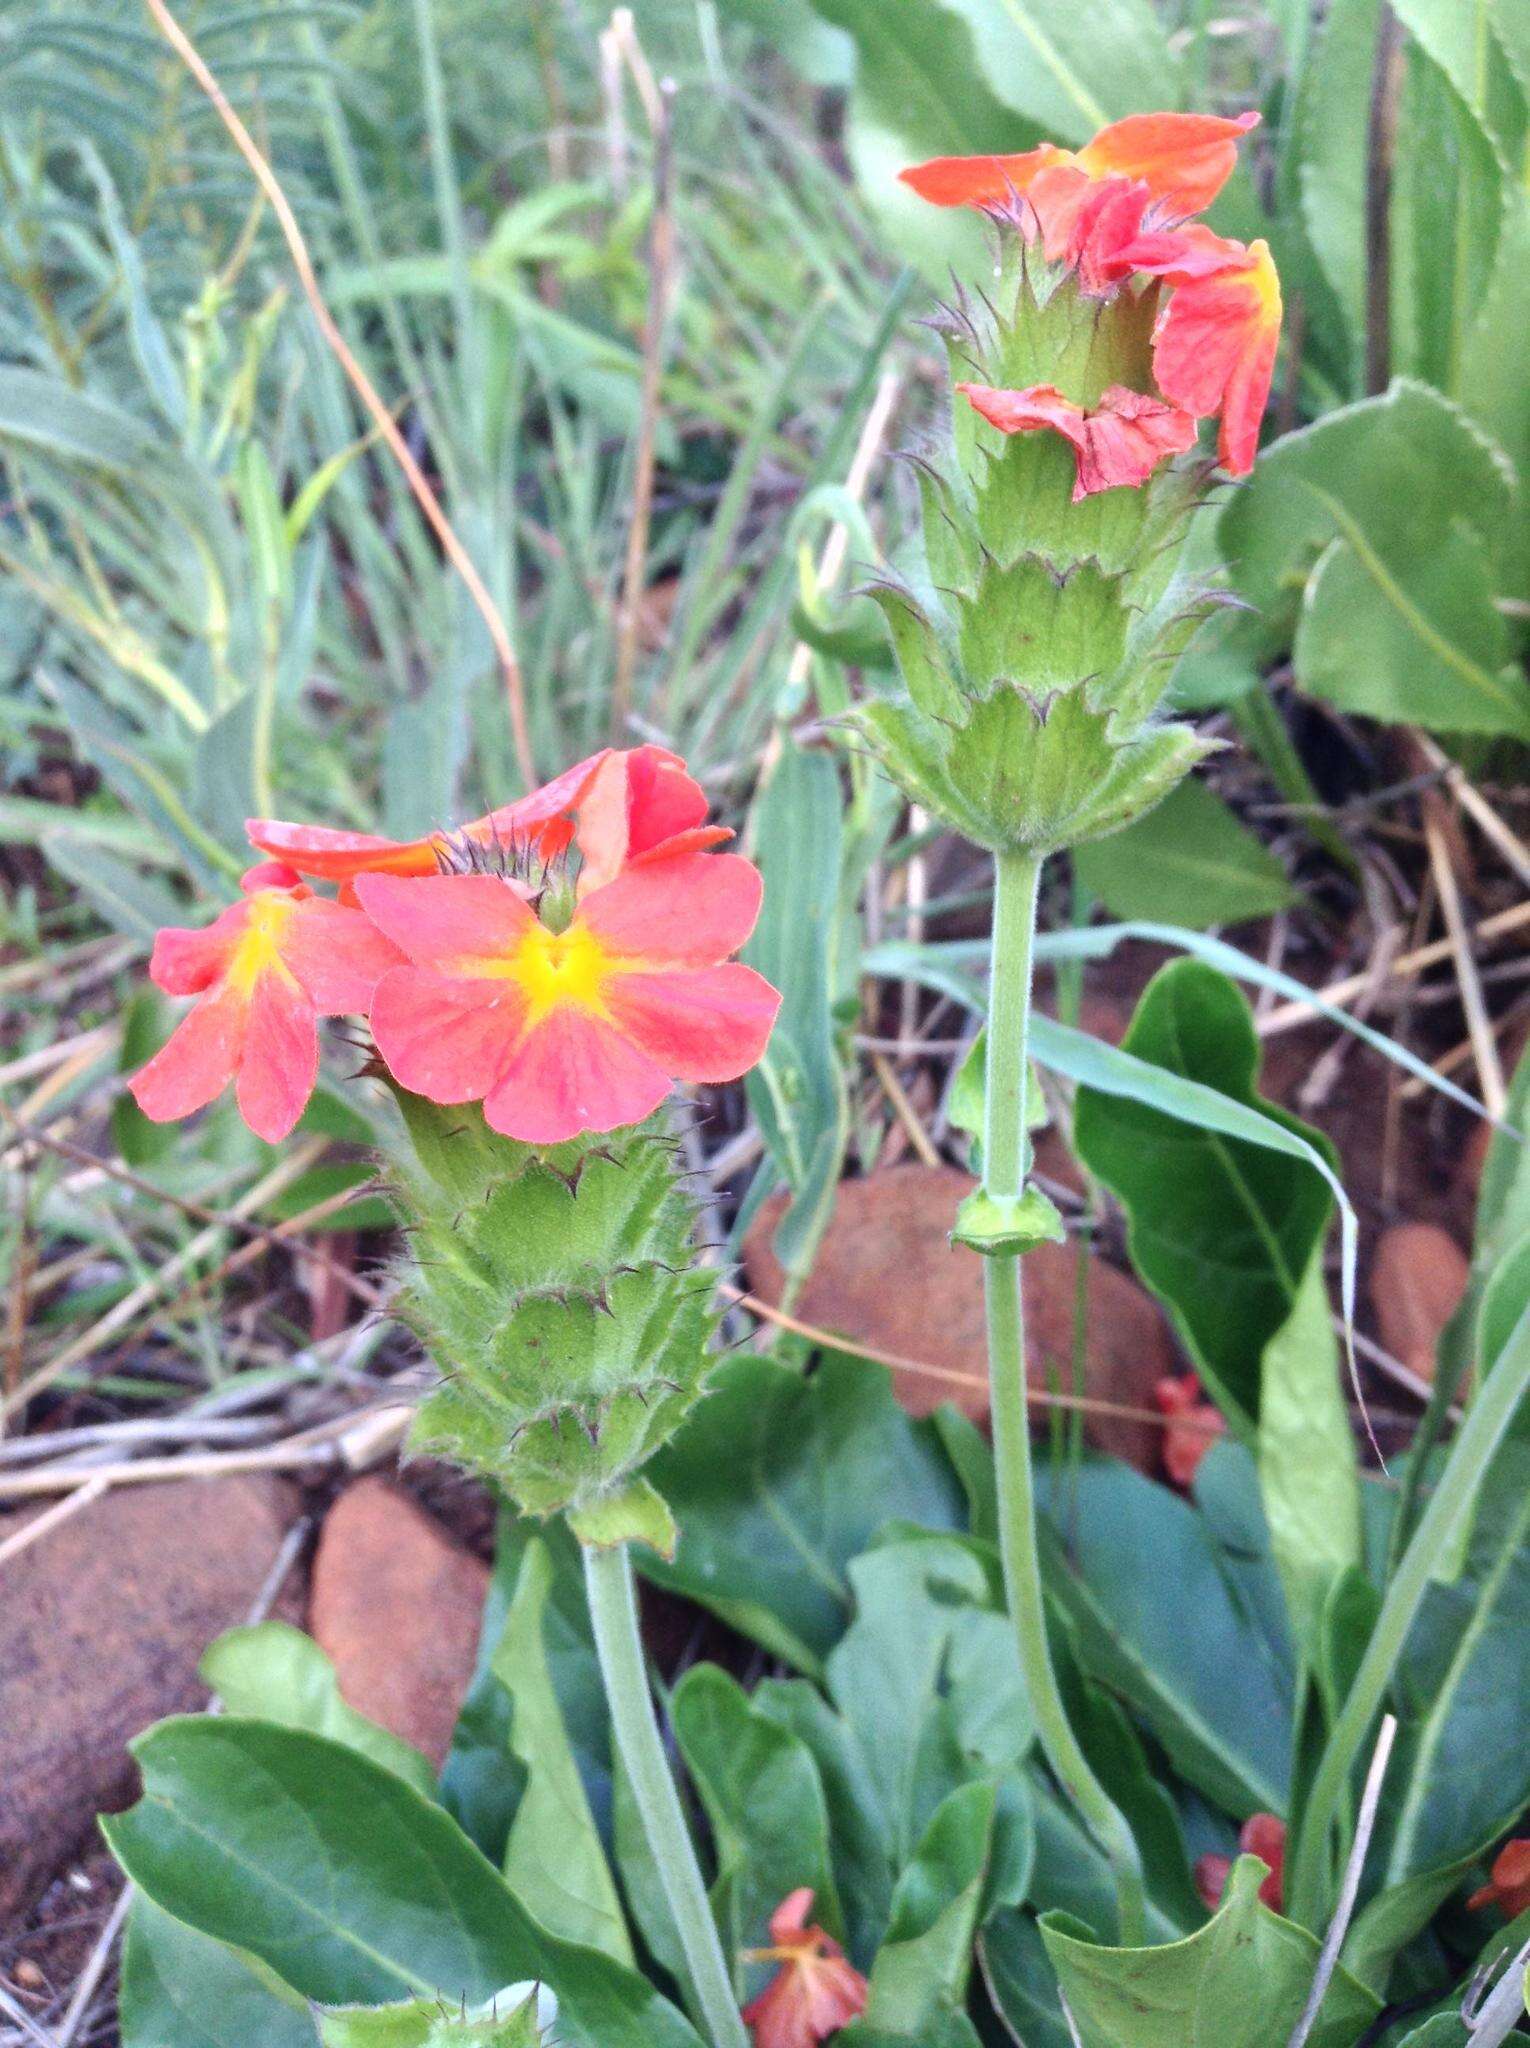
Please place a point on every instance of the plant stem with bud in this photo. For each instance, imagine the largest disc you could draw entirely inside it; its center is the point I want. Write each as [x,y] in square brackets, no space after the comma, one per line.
[618,1643]
[1005,1152]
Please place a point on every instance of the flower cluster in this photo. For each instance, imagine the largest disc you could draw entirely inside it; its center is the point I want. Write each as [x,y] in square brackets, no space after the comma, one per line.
[1036,640]
[561,961]
[1113,212]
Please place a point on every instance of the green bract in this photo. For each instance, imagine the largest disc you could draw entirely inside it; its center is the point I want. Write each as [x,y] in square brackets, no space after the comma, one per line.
[555,1289]
[1035,656]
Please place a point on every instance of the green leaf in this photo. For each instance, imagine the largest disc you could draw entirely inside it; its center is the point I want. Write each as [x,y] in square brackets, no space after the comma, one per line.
[922,1967]
[927,1678]
[1021,1981]
[764,1804]
[1397,509]
[777,1482]
[1187,862]
[1222,1231]
[554,1861]
[1332,139]
[349,1885]
[1210,1692]
[798,1090]
[181,1990]
[1307,1468]
[273,1672]
[1240,1982]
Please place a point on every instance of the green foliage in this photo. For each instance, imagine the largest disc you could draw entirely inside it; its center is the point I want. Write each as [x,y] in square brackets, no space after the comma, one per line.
[1240,1982]
[1188,862]
[276,1673]
[779,1482]
[313,1859]
[1223,1233]
[555,1290]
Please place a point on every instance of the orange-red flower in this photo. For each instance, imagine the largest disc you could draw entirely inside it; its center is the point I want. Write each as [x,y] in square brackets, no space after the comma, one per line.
[1262,1835]
[580,1026]
[1508,1886]
[1120,441]
[815,1992]
[1194,1426]
[265,970]
[1215,342]
[620,805]
[1183,161]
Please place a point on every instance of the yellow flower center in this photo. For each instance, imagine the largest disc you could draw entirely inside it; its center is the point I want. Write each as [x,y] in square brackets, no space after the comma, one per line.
[259,949]
[555,969]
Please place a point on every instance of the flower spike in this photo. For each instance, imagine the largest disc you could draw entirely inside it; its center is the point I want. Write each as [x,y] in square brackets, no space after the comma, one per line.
[264,971]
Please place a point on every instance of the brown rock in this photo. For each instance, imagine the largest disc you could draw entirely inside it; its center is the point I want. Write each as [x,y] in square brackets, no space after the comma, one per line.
[886,1277]
[102,1622]
[397,1606]
[1418,1276]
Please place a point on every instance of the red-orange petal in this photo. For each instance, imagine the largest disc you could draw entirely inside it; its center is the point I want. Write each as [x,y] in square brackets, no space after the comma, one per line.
[446,921]
[184,962]
[1120,442]
[197,1061]
[573,1073]
[279,1060]
[446,1037]
[1185,159]
[1215,350]
[338,955]
[691,911]
[331,855]
[985,181]
[709,1024]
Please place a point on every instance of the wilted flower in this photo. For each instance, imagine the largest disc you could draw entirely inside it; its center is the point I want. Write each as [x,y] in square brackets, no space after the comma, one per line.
[1508,1885]
[815,1992]
[1262,1835]
[1193,1427]
[1122,440]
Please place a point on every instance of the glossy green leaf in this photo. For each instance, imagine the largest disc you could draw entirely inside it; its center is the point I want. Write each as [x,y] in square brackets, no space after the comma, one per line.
[1241,1982]
[180,1989]
[1332,141]
[777,1482]
[922,1967]
[554,1861]
[1210,1693]
[765,1807]
[798,1090]
[1222,1231]
[1021,1981]
[273,1672]
[349,1885]
[1307,1465]
[928,1680]
[1189,861]
[1387,520]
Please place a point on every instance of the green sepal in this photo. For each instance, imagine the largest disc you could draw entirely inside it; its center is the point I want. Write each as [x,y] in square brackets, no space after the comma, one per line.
[999,1226]
[928,674]
[638,1514]
[432,2023]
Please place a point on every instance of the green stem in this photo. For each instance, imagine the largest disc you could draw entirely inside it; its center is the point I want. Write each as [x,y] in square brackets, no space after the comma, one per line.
[614,1617]
[1005,1160]
[1487,1422]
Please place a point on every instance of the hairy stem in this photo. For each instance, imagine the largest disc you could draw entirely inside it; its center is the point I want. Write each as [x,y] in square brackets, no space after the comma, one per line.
[614,1617]
[1004,1170]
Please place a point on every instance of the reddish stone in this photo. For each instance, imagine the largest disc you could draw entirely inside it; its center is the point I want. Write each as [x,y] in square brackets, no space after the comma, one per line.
[1418,1276]
[397,1606]
[102,1623]
[886,1277]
